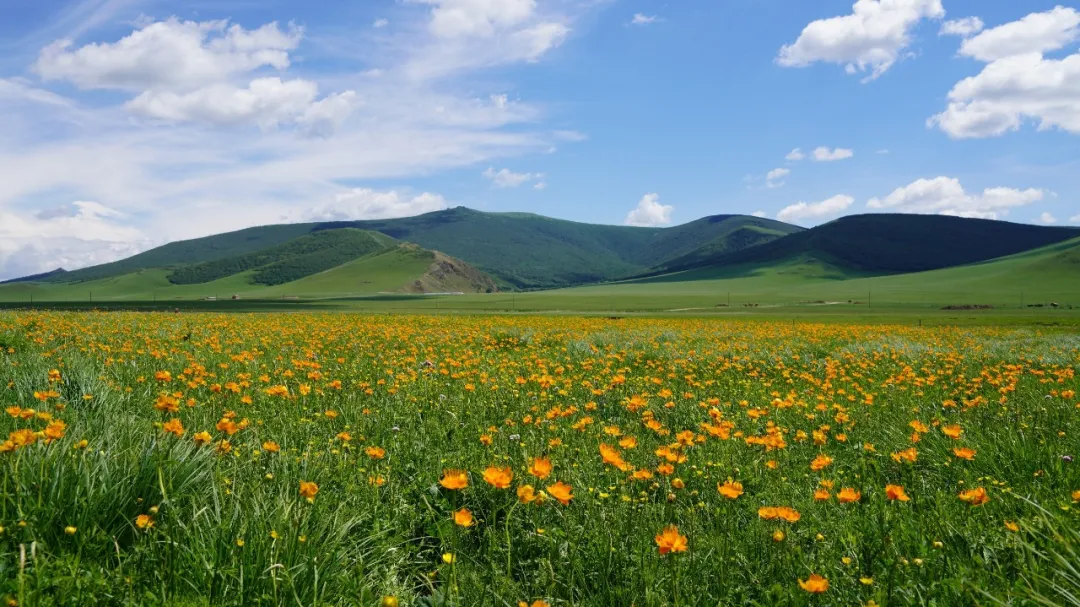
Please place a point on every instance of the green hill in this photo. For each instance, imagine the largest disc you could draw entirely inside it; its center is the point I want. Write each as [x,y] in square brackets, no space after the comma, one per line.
[326,264]
[518,249]
[309,254]
[861,245]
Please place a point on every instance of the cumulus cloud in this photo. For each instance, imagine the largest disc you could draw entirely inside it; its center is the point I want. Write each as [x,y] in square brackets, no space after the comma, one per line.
[1046,218]
[170,54]
[505,178]
[81,234]
[480,33]
[379,23]
[267,102]
[650,213]
[872,38]
[185,72]
[945,196]
[824,154]
[1018,82]
[641,19]
[961,27]
[795,155]
[815,210]
[759,214]
[365,203]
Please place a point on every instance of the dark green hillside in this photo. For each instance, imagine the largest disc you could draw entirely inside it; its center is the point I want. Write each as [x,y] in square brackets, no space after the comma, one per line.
[518,249]
[194,251]
[295,259]
[888,244]
[532,251]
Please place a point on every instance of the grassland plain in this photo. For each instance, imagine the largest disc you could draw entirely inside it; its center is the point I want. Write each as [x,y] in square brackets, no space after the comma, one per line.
[332,459]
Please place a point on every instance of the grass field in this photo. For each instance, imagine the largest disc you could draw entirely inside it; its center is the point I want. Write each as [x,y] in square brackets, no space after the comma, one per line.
[803,288]
[347,459]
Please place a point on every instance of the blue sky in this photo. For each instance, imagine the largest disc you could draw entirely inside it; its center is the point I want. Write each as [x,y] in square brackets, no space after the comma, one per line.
[128,123]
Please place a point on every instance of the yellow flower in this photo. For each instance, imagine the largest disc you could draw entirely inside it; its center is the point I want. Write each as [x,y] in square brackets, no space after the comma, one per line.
[144,521]
[448,558]
[70,530]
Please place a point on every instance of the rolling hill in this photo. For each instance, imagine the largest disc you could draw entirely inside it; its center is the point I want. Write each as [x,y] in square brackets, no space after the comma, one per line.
[519,250]
[876,244]
[343,262]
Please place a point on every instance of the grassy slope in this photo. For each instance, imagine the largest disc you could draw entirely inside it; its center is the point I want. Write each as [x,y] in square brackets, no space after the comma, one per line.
[519,249]
[290,261]
[194,251]
[393,270]
[887,244]
[531,251]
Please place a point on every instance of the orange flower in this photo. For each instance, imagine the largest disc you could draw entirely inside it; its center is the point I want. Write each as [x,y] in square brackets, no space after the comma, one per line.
[670,540]
[173,426]
[974,497]
[463,518]
[271,446]
[848,495]
[896,493]
[964,453]
[498,477]
[375,452]
[308,490]
[55,430]
[953,431]
[536,603]
[454,479]
[730,489]
[666,469]
[1012,526]
[785,513]
[822,494]
[201,438]
[815,584]
[561,491]
[144,521]
[540,467]
[907,455]
[820,462]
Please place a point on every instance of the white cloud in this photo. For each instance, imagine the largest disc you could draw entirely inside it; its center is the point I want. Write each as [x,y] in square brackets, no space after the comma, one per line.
[815,210]
[1075,219]
[824,154]
[505,178]
[1034,34]
[482,33]
[795,155]
[641,19]
[650,213]
[268,102]
[1018,83]
[871,38]
[945,196]
[1046,218]
[481,18]
[170,55]
[882,151]
[73,236]
[364,203]
[759,214]
[540,185]
[773,177]
[961,27]
[379,23]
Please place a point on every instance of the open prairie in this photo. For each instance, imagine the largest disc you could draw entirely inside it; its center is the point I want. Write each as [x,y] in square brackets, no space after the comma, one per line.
[333,459]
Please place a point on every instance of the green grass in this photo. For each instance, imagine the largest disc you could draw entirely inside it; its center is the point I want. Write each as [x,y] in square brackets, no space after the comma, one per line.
[230,526]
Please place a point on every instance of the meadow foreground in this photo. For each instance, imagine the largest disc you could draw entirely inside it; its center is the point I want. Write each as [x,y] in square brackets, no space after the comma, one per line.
[338,459]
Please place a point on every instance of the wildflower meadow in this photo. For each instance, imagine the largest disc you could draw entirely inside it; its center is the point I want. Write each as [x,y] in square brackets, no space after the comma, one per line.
[343,459]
